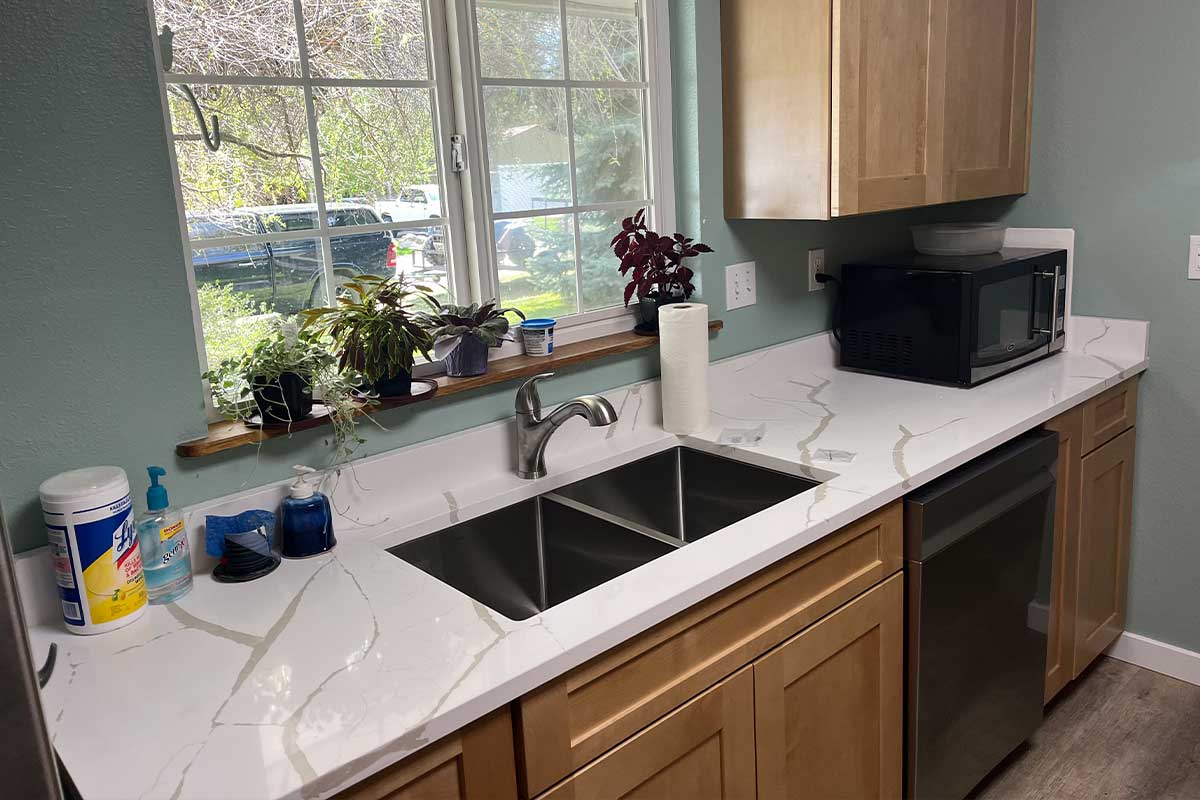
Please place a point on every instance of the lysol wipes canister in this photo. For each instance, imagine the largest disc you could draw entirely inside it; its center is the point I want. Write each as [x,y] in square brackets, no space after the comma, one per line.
[97,565]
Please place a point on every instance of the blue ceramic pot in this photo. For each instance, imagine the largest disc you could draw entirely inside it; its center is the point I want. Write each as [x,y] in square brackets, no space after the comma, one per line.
[469,358]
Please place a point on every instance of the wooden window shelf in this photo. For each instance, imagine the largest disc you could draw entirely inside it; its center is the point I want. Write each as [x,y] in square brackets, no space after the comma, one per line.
[226,435]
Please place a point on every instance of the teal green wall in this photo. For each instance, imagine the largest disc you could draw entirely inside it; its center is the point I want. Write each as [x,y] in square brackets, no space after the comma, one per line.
[1116,155]
[98,360]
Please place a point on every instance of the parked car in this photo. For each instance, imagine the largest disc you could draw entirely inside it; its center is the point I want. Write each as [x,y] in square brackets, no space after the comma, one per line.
[287,276]
[416,202]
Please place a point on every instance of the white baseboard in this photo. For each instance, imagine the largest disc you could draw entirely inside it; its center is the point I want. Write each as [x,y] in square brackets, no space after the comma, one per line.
[1160,657]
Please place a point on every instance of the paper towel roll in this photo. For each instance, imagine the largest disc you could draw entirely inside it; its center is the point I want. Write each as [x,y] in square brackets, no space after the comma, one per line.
[683,351]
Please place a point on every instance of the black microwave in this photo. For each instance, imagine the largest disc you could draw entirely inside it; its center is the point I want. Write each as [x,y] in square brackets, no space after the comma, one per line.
[957,320]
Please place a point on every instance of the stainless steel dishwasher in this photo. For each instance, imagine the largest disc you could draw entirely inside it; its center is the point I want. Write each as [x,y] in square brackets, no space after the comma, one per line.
[978,572]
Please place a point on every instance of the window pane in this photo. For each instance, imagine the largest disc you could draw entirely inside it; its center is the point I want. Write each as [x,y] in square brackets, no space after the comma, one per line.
[536,265]
[519,40]
[230,37]
[421,255]
[527,147]
[240,289]
[609,154]
[602,283]
[605,40]
[264,158]
[377,150]
[379,39]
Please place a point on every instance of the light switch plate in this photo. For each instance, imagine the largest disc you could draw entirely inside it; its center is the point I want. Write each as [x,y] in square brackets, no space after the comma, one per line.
[1194,258]
[816,263]
[740,288]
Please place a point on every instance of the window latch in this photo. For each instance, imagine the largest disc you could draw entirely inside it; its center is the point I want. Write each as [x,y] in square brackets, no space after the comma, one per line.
[458,153]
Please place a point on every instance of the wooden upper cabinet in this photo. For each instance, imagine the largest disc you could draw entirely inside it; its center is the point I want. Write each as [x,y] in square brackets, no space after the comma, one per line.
[828,704]
[989,96]
[887,69]
[841,107]
[704,749]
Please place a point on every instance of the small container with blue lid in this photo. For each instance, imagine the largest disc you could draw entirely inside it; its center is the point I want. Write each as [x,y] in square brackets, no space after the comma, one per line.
[538,336]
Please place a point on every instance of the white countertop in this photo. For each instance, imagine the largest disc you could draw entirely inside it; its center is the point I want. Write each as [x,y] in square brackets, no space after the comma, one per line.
[332,668]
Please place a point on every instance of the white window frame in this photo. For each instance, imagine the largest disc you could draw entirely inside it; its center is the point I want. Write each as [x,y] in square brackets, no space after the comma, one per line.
[466,197]
[658,155]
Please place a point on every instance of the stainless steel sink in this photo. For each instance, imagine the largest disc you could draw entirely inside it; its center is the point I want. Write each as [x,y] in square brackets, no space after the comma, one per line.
[685,493]
[528,557]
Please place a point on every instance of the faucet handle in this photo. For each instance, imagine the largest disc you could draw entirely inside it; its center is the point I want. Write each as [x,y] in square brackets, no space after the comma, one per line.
[528,401]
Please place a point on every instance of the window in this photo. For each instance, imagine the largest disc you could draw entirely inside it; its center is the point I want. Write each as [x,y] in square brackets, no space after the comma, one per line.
[336,121]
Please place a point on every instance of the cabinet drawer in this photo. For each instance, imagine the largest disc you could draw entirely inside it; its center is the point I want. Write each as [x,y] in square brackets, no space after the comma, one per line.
[703,750]
[572,720]
[1109,414]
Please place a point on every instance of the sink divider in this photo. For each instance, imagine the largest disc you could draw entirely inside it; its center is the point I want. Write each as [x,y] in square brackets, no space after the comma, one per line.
[613,519]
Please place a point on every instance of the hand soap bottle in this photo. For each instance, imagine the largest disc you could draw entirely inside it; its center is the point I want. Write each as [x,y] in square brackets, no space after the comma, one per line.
[307,520]
[166,561]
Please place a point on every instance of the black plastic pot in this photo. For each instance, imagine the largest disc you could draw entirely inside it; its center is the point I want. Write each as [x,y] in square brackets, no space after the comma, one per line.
[469,358]
[398,385]
[284,400]
[648,307]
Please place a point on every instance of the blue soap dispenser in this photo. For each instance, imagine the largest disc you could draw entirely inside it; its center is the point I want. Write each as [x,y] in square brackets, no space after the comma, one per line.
[307,520]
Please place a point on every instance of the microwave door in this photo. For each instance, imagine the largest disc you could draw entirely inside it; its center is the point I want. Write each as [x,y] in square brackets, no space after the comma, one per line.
[1013,317]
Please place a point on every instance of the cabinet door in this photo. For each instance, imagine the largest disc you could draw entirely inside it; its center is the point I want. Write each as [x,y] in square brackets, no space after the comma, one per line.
[476,762]
[1060,604]
[988,98]
[888,82]
[828,704]
[1106,517]
[704,749]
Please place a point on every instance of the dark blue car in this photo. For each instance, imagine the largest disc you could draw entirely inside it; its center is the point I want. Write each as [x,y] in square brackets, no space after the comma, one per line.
[287,276]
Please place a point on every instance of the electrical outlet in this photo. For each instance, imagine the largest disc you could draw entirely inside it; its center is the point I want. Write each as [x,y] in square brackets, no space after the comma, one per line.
[1194,258]
[816,263]
[740,289]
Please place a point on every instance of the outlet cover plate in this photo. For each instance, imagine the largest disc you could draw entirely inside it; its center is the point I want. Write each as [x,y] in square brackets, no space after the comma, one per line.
[1194,258]
[740,286]
[816,263]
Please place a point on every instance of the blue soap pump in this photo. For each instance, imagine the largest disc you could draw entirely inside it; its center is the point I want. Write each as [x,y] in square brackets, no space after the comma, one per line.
[307,519]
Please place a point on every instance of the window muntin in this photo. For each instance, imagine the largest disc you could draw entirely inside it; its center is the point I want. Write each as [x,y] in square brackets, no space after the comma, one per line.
[566,137]
[561,147]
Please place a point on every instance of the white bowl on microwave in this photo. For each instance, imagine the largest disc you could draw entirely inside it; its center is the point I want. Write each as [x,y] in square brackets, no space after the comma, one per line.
[958,238]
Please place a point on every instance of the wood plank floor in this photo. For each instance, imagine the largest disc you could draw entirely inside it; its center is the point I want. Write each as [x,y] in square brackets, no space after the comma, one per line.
[1120,733]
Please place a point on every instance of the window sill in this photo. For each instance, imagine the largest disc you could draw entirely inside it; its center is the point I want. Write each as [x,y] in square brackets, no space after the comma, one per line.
[226,435]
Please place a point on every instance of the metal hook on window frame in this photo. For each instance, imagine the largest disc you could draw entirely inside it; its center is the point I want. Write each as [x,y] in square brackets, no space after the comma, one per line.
[212,140]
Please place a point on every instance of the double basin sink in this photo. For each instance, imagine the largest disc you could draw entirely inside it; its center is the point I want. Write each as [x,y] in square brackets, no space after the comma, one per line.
[531,556]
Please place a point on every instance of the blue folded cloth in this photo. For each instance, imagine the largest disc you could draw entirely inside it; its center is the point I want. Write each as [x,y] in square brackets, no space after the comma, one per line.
[254,530]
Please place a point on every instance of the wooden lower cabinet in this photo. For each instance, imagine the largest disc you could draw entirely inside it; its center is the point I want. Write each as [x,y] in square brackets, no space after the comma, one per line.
[1106,517]
[1093,520]
[1060,628]
[704,749]
[829,704]
[475,763]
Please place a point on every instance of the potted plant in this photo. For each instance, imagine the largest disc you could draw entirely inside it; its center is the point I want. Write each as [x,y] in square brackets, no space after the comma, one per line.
[276,381]
[654,265]
[463,334]
[375,330]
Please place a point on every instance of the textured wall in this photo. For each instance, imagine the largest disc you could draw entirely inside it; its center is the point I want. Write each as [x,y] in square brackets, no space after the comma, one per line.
[98,361]
[1116,156]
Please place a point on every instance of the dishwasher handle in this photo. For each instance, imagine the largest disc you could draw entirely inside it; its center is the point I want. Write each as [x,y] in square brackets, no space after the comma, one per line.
[953,507]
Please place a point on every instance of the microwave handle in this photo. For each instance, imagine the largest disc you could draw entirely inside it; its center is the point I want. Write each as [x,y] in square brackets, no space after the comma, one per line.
[1053,301]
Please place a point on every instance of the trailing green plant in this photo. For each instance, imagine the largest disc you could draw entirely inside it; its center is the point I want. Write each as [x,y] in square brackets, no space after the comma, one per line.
[232,322]
[374,327]
[449,323]
[288,349]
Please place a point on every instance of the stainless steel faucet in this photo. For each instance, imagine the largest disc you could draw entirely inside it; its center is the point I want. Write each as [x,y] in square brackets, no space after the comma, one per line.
[533,430]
